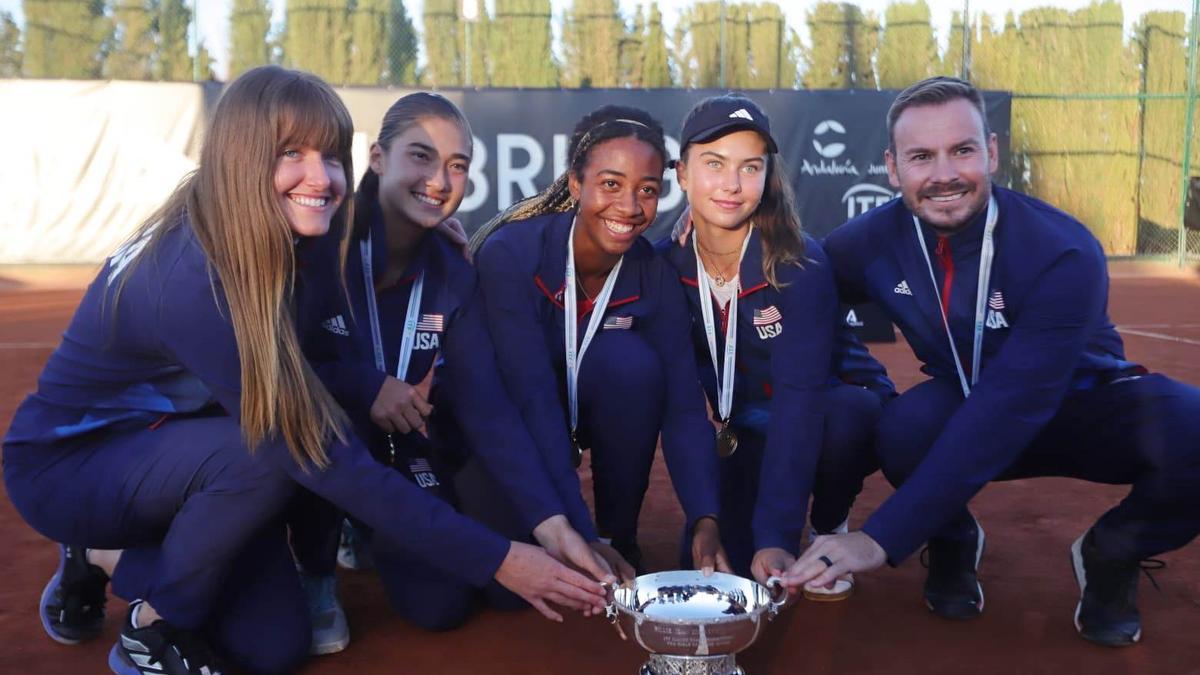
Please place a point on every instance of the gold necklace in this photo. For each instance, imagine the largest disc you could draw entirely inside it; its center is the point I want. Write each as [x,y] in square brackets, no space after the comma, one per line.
[718,276]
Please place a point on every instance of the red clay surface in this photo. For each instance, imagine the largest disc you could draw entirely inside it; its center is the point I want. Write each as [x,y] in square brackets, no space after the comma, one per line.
[884,628]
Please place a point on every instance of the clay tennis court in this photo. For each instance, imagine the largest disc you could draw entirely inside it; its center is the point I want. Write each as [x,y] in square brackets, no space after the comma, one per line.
[884,628]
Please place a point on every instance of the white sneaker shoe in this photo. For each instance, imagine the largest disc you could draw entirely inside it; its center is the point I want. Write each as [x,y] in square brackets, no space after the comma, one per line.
[330,632]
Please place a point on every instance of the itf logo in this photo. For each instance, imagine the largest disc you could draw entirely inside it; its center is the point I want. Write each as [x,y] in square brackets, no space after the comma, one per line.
[833,149]
[863,197]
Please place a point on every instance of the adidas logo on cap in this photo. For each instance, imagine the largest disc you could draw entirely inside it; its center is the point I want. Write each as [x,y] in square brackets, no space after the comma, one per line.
[742,113]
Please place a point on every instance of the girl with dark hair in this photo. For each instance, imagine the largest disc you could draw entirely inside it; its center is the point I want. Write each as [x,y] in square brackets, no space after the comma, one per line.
[586,322]
[796,395]
[177,417]
[407,289]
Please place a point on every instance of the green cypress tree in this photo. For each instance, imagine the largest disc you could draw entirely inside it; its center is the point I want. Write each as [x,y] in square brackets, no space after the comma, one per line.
[65,38]
[907,50]
[633,51]
[10,46]
[249,23]
[771,48]
[132,56]
[592,34]
[174,61]
[1162,40]
[443,63]
[843,41]
[368,42]
[317,37]
[521,45]
[655,68]
[402,46]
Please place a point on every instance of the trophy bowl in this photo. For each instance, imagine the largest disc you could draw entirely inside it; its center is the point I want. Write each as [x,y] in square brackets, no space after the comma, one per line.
[690,623]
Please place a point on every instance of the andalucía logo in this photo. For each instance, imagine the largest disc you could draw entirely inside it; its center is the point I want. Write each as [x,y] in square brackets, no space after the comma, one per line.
[833,149]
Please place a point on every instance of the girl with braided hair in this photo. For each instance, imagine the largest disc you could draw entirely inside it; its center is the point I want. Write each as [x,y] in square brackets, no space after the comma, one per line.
[586,321]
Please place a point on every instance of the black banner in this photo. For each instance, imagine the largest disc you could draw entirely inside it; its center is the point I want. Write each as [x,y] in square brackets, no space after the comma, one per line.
[831,141]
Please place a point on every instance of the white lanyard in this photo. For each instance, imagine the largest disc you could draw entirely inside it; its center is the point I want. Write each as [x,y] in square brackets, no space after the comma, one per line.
[724,372]
[410,318]
[570,323]
[986,254]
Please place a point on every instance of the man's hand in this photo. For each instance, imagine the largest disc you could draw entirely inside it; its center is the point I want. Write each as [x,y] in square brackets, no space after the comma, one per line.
[540,580]
[399,407]
[831,556]
[707,552]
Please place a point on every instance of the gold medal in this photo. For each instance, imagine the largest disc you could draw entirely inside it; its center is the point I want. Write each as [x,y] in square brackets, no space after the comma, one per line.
[727,441]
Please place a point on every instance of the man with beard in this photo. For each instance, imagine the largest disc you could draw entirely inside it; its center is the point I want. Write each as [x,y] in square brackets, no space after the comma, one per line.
[1003,299]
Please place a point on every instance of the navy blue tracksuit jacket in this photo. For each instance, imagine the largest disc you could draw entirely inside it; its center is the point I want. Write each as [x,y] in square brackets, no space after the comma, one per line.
[1047,332]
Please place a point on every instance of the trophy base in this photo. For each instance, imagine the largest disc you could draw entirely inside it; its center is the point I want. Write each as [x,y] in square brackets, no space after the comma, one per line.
[660,664]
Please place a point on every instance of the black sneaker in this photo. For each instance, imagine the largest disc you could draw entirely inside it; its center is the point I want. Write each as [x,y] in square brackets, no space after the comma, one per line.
[160,649]
[1107,612]
[72,604]
[952,589]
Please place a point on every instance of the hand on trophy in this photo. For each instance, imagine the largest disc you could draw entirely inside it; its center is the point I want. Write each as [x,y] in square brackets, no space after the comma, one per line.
[614,560]
[564,544]
[831,556]
[539,579]
[399,407]
[707,553]
[770,562]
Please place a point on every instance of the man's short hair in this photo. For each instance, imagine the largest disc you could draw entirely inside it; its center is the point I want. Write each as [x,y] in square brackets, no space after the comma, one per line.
[935,91]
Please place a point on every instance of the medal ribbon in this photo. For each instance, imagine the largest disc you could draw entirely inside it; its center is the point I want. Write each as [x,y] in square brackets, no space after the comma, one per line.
[571,324]
[986,255]
[410,318]
[724,371]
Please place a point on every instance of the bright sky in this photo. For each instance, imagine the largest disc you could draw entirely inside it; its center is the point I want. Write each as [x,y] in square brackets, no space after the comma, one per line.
[214,14]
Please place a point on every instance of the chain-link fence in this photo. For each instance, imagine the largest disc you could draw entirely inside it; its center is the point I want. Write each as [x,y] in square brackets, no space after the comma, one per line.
[1104,102]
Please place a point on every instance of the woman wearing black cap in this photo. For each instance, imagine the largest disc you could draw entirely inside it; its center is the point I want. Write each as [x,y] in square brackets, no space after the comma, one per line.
[795,394]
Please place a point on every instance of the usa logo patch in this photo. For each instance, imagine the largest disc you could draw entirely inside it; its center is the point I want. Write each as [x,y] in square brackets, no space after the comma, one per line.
[618,322]
[431,323]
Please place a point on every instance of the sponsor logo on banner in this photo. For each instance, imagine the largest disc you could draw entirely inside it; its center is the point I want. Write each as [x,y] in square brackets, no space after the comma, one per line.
[833,148]
[863,197]
[768,321]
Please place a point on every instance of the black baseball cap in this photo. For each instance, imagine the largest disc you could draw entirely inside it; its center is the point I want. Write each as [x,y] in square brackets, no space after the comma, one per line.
[714,117]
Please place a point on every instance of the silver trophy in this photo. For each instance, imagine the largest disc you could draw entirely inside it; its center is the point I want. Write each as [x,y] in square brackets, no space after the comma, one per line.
[690,623]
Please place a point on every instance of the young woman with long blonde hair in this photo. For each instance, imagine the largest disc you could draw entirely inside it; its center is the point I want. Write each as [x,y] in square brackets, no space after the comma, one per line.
[178,415]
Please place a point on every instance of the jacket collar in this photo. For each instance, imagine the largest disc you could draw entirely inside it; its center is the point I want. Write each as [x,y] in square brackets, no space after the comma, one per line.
[750,272]
[552,269]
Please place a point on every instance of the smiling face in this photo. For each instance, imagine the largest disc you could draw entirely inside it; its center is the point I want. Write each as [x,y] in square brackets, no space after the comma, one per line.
[423,172]
[724,179]
[311,186]
[617,194]
[942,162]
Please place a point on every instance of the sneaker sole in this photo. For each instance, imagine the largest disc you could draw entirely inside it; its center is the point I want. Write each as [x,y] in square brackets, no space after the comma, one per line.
[980,545]
[119,664]
[332,647]
[1081,579]
[47,593]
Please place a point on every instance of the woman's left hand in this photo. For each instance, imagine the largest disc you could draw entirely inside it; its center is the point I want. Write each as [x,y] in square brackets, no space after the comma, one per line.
[707,552]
